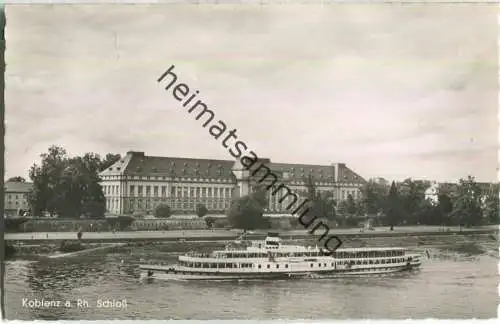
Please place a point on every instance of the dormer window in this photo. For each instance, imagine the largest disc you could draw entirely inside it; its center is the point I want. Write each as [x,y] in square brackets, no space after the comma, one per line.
[117,169]
[110,169]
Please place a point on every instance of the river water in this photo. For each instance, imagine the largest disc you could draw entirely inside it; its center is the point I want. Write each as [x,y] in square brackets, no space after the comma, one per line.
[450,285]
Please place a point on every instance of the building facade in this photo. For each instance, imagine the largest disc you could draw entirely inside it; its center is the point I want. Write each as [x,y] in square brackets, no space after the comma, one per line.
[138,183]
[15,197]
[432,193]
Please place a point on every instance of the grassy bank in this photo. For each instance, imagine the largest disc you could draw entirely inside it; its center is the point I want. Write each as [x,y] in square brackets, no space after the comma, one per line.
[420,242]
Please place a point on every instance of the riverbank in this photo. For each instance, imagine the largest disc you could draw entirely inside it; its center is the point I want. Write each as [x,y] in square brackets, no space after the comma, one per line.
[224,235]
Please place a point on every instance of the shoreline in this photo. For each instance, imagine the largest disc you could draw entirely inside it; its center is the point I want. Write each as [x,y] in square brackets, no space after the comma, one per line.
[227,235]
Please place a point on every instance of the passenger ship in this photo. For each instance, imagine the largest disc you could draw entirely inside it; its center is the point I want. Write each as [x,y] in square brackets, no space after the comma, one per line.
[269,259]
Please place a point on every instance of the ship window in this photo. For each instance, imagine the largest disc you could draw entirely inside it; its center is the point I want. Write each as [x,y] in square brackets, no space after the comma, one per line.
[268,266]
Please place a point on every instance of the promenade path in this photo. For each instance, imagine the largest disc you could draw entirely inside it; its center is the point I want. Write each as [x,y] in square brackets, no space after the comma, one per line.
[132,235]
[231,234]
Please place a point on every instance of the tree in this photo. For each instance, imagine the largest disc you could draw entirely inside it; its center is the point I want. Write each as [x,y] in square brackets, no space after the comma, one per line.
[393,209]
[201,210]
[260,195]
[108,161]
[412,202]
[209,221]
[491,202]
[247,213]
[68,186]
[163,211]
[467,205]
[322,203]
[350,205]
[16,179]
[444,209]
[373,197]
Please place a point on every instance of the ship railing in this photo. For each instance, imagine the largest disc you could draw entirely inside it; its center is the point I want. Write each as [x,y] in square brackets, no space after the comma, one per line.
[199,255]
[157,263]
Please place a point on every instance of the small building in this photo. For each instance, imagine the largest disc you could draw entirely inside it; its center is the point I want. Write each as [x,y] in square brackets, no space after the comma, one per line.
[432,193]
[15,195]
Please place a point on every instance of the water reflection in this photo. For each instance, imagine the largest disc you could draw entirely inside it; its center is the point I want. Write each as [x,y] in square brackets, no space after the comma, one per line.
[58,275]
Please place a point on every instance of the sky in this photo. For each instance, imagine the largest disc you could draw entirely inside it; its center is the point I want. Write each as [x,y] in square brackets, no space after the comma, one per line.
[393,91]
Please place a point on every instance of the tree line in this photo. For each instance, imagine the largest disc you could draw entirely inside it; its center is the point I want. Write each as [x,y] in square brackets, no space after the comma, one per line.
[467,203]
[69,186]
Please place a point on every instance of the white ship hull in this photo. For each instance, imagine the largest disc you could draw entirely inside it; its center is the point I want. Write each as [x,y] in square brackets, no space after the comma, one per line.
[149,272]
[270,259]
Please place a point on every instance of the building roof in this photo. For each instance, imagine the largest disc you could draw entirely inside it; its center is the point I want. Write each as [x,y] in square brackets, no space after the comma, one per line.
[137,163]
[319,173]
[21,187]
[179,167]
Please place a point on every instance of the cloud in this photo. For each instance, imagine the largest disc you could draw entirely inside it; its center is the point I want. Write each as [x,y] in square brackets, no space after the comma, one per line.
[381,88]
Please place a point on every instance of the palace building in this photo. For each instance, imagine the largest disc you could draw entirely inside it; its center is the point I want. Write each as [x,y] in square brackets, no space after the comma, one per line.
[138,183]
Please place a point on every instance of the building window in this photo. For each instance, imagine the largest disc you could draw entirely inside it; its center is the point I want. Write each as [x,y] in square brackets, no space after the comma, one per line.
[155,191]
[197,192]
[268,266]
[132,192]
[209,194]
[148,191]
[164,191]
[203,192]
[216,192]
[139,191]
